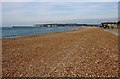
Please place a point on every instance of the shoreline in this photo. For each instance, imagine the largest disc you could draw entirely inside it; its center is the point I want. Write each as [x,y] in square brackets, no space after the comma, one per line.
[77,28]
[87,52]
[82,27]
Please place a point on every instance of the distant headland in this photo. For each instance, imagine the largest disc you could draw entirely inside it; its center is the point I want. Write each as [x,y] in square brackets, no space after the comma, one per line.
[103,25]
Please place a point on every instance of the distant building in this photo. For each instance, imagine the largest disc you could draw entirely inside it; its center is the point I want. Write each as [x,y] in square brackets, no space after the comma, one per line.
[109,25]
[118,24]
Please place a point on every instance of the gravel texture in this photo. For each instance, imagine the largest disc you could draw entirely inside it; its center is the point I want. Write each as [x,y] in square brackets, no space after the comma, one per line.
[88,52]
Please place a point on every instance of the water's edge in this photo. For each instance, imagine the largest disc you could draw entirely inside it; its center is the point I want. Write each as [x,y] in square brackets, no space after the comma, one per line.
[9,32]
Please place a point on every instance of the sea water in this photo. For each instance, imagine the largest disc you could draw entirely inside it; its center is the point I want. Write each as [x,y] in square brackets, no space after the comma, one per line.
[10,32]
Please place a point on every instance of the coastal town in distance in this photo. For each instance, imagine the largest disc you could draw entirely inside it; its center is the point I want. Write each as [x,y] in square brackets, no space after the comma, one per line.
[60,40]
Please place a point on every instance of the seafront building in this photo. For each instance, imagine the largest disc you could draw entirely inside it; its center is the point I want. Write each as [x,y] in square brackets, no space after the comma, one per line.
[110,25]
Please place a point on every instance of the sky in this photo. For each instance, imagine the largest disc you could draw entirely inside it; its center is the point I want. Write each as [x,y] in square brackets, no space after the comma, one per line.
[60,0]
[29,13]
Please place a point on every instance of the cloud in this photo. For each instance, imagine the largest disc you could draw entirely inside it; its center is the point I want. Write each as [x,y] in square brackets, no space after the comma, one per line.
[60,0]
[43,12]
[18,0]
[0,14]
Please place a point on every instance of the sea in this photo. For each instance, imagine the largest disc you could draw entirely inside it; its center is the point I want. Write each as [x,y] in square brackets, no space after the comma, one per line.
[10,32]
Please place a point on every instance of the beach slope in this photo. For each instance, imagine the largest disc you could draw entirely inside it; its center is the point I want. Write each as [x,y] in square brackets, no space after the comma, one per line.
[84,53]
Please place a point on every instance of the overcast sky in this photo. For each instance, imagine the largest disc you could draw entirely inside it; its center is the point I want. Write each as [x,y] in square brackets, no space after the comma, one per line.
[60,0]
[29,13]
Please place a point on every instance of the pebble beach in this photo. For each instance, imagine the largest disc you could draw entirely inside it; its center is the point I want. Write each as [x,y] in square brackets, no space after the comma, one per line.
[87,52]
